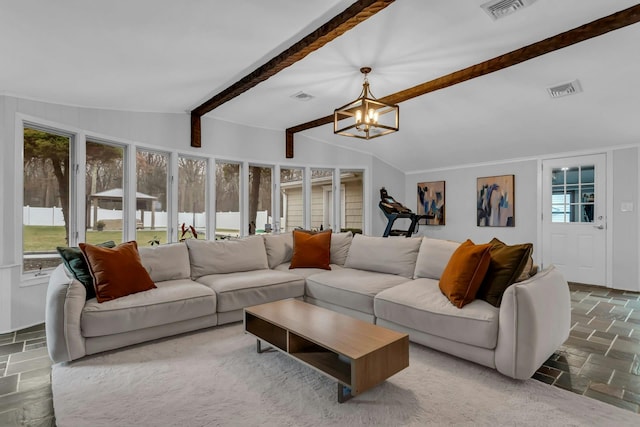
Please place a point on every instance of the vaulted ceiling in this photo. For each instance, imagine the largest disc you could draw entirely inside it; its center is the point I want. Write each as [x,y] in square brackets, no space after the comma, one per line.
[167,56]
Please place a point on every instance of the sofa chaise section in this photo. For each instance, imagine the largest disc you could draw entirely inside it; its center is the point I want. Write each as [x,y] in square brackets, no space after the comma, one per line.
[515,338]
[77,327]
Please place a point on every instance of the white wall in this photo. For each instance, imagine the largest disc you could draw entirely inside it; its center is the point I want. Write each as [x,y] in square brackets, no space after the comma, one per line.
[460,202]
[394,181]
[624,225]
[461,207]
[223,140]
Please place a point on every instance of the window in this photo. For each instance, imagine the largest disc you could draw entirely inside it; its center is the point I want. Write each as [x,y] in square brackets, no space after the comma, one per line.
[151,197]
[227,199]
[322,199]
[104,180]
[192,195]
[573,194]
[46,205]
[291,198]
[260,207]
[351,201]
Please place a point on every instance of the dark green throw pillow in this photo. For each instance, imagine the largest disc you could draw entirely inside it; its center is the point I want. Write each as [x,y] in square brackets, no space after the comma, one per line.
[77,265]
[507,263]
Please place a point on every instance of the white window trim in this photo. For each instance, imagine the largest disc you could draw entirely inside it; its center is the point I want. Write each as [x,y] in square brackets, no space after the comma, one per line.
[327,216]
[78,160]
[33,278]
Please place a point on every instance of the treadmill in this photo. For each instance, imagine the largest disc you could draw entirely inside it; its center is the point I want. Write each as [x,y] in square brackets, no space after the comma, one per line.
[394,210]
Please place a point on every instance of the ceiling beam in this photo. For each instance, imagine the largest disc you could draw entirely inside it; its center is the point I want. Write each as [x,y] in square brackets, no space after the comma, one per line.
[358,12]
[585,32]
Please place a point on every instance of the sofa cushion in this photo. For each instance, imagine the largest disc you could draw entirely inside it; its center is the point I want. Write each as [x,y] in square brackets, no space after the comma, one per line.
[506,266]
[464,273]
[226,256]
[166,262]
[350,288]
[340,244]
[279,248]
[433,257]
[304,272]
[243,289]
[171,301]
[420,305]
[116,272]
[392,255]
[311,250]
[76,264]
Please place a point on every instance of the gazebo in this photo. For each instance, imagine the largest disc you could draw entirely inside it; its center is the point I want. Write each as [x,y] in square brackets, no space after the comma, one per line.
[143,202]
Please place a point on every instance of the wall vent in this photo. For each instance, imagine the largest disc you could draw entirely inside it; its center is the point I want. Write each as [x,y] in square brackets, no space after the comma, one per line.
[497,9]
[302,96]
[564,89]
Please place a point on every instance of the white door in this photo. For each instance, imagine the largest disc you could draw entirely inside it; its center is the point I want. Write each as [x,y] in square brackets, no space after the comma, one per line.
[574,217]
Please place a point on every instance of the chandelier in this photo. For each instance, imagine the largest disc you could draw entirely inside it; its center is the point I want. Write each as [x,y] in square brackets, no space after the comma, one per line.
[366,117]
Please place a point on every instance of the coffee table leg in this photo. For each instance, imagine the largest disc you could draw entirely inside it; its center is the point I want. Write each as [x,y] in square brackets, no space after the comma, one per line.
[344,393]
[259,347]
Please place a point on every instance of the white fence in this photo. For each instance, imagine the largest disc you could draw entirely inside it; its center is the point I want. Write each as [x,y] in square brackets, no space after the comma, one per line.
[224,220]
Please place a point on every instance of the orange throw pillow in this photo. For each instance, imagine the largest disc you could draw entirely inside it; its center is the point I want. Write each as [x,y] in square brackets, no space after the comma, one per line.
[116,272]
[311,250]
[464,273]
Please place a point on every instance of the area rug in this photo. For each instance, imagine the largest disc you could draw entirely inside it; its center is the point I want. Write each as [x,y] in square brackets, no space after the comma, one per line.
[215,377]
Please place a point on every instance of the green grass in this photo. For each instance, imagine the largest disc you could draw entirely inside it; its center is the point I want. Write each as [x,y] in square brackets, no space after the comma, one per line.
[46,238]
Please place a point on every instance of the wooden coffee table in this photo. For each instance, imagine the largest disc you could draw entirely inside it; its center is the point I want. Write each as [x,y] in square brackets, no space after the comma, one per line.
[356,354]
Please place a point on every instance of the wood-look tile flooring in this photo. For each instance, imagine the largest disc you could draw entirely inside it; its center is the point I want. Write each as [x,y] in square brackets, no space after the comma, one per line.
[601,359]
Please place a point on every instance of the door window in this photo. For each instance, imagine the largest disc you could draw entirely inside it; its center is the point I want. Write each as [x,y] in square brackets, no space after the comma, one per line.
[573,194]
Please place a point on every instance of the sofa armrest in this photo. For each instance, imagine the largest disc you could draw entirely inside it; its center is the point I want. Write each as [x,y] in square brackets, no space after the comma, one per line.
[535,318]
[65,300]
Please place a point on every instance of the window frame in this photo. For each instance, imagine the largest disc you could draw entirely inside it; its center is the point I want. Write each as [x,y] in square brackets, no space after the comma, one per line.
[242,189]
[77,200]
[125,161]
[207,192]
[171,182]
[76,140]
[280,196]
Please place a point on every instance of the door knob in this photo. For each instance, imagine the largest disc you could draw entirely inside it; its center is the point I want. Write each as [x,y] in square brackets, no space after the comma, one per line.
[599,227]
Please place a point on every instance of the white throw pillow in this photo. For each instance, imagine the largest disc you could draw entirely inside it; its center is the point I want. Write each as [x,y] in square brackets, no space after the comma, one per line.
[279,248]
[226,256]
[166,262]
[392,255]
[340,243]
[433,257]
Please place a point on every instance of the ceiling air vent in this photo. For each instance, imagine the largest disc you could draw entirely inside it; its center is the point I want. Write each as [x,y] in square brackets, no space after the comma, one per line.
[565,89]
[500,8]
[301,96]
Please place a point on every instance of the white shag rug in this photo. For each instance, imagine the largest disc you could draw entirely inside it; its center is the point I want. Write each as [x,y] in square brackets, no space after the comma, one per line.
[215,378]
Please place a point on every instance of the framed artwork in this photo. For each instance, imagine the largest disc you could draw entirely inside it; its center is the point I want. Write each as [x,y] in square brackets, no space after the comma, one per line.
[431,202]
[496,205]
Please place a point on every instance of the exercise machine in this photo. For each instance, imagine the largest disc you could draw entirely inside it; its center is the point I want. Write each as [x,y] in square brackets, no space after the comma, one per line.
[394,210]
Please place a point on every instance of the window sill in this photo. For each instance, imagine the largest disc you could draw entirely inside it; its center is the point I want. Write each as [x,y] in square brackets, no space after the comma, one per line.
[33,280]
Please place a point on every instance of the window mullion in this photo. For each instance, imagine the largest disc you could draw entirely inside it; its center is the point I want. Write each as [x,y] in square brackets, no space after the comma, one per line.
[78,191]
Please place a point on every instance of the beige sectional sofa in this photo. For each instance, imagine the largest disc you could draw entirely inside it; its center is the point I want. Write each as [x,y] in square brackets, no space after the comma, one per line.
[389,281]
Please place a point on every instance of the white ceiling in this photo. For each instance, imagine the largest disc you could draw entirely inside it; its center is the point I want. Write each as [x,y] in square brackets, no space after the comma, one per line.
[168,56]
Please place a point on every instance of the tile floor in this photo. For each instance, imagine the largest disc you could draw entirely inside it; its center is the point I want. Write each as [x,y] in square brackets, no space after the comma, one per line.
[601,359]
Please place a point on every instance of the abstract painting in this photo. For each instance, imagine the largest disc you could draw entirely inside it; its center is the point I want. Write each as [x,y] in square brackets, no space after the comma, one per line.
[495,201]
[431,202]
